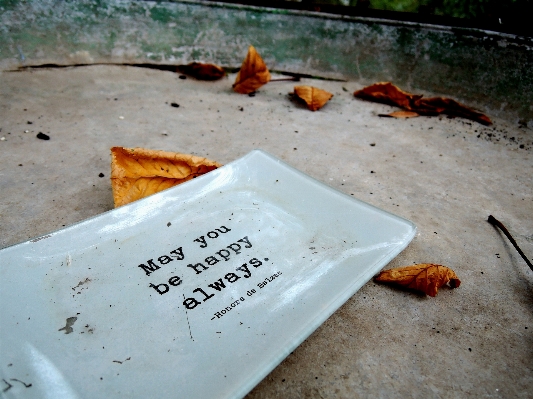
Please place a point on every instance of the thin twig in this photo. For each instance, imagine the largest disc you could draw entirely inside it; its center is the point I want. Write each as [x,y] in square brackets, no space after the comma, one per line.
[293,79]
[495,222]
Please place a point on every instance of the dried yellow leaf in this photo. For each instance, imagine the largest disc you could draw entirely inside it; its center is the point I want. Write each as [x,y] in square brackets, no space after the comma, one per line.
[314,97]
[138,172]
[425,277]
[253,73]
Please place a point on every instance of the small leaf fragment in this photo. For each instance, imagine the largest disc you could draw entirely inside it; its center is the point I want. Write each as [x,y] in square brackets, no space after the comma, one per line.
[253,73]
[202,71]
[314,97]
[403,114]
[387,93]
[138,172]
[425,277]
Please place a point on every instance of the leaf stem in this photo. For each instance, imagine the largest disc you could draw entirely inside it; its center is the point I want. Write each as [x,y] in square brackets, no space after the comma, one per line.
[293,79]
[495,222]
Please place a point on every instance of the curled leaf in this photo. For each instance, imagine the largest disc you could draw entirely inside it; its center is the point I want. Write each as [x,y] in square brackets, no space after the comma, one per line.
[203,71]
[138,172]
[253,73]
[387,93]
[314,98]
[425,277]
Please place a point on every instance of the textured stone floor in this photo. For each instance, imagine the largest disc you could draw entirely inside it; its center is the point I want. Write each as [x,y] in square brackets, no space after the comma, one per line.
[446,175]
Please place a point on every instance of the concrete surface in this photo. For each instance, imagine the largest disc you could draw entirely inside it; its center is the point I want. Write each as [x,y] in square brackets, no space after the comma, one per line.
[446,175]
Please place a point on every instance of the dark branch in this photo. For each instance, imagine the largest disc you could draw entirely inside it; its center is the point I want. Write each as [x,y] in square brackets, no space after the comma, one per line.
[495,222]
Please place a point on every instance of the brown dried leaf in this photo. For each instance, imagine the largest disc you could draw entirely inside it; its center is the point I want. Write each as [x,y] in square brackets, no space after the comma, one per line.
[440,105]
[253,73]
[202,71]
[314,98]
[425,277]
[138,172]
[387,93]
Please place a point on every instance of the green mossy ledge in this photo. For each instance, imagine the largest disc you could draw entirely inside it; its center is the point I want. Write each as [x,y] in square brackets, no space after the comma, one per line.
[487,70]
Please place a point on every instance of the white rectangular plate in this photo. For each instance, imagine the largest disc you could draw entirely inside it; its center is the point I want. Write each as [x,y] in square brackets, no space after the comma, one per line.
[195,292]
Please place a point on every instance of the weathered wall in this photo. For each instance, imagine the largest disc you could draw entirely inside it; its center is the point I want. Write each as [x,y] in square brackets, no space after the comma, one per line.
[487,70]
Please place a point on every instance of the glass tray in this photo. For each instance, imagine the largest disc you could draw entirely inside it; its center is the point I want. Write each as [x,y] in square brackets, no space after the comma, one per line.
[198,291]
